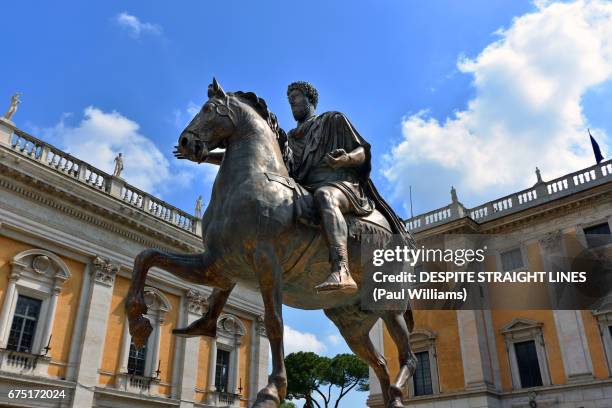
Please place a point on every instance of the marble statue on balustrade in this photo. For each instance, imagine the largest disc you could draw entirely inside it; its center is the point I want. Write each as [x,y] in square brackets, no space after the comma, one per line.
[118,165]
[538,175]
[15,101]
[198,207]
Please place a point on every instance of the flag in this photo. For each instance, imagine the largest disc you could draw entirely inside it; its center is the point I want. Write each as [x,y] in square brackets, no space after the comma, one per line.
[596,150]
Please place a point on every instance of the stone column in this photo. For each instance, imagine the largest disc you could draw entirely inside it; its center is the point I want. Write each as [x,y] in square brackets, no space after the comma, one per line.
[570,327]
[90,357]
[125,348]
[195,304]
[574,346]
[49,321]
[76,343]
[475,355]
[236,364]
[212,362]
[260,351]
[9,297]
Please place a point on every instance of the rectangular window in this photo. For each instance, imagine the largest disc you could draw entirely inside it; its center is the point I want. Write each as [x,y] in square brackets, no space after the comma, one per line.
[527,361]
[512,259]
[422,375]
[24,323]
[222,371]
[137,360]
[598,235]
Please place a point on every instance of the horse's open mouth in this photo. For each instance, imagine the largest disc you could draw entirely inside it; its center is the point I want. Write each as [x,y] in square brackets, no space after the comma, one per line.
[200,151]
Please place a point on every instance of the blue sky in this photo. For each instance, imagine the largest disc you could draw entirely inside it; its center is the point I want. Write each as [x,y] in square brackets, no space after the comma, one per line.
[473,94]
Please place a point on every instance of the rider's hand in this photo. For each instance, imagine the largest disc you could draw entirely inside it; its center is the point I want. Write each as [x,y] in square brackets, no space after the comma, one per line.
[337,158]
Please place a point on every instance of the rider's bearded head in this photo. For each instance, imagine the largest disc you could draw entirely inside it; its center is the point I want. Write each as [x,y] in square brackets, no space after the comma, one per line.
[303,98]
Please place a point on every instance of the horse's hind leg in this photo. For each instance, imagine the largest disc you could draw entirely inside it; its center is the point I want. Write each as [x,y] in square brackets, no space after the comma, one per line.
[398,325]
[354,326]
[196,268]
[269,273]
[207,324]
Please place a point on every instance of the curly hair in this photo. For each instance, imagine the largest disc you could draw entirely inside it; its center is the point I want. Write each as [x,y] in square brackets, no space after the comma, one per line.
[307,89]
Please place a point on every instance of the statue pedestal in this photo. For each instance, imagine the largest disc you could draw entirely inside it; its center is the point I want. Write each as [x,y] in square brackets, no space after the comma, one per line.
[116,186]
[6,131]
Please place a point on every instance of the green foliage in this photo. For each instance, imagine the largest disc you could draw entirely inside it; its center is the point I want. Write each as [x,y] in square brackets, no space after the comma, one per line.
[346,370]
[287,404]
[304,375]
[309,373]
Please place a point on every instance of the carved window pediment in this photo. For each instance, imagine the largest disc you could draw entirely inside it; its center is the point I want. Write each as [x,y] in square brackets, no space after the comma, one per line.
[517,333]
[522,328]
[230,326]
[39,265]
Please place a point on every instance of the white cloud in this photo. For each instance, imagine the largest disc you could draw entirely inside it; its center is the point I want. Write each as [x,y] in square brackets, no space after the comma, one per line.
[527,108]
[136,27]
[301,341]
[334,339]
[100,136]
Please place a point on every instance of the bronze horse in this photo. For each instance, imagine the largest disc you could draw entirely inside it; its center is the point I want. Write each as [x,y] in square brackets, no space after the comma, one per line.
[250,234]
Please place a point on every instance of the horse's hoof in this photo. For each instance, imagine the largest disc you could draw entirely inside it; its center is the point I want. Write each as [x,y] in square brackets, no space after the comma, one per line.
[201,327]
[140,330]
[267,398]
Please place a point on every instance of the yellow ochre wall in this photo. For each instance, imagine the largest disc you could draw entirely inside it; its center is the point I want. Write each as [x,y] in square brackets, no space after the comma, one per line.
[67,303]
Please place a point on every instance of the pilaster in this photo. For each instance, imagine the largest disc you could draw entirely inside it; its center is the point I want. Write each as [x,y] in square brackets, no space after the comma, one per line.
[194,307]
[103,274]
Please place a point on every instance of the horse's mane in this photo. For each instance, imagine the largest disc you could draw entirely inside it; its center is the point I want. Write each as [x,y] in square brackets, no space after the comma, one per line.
[261,107]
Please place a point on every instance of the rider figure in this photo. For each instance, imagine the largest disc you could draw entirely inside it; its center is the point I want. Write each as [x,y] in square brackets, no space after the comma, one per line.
[331,160]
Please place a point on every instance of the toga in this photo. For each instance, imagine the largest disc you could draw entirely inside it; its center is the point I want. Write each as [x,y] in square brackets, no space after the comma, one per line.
[311,141]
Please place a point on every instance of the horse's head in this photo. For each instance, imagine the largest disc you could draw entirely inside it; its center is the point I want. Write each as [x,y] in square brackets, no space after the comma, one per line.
[208,129]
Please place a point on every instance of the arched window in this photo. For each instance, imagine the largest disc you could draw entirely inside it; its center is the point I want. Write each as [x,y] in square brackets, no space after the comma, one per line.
[28,311]
[425,379]
[138,371]
[224,368]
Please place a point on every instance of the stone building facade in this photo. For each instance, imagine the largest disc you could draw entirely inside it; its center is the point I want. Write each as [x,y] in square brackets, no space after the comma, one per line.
[68,235]
[507,358]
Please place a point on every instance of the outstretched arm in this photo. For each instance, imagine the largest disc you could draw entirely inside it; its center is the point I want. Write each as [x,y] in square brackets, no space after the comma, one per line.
[340,158]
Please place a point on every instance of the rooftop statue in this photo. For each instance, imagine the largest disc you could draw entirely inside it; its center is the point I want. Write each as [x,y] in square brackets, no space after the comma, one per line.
[198,207]
[264,229]
[15,101]
[118,165]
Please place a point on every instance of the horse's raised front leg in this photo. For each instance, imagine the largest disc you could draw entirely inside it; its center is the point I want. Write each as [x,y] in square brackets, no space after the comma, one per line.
[398,326]
[269,273]
[207,324]
[196,268]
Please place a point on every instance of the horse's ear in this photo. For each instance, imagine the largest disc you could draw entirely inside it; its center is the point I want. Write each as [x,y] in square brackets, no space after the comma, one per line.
[214,89]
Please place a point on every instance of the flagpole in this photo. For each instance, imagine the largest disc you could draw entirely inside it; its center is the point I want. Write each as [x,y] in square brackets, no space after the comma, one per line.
[411,215]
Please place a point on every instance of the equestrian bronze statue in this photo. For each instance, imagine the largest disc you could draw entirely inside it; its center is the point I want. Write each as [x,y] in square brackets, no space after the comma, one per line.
[263,228]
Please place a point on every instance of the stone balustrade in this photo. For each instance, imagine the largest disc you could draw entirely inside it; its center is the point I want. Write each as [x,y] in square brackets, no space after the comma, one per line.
[23,363]
[536,195]
[62,162]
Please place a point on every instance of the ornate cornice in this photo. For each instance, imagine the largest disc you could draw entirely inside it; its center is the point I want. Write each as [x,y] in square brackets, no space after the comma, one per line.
[551,242]
[97,218]
[260,326]
[196,302]
[104,271]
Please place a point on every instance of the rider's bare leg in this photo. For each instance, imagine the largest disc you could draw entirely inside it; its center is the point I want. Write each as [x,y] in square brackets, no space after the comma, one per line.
[332,204]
